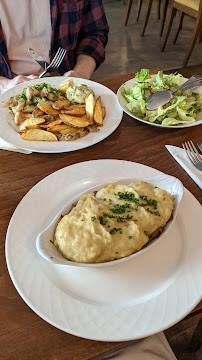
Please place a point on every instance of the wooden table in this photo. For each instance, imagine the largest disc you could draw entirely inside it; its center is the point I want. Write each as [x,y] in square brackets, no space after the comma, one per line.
[24,335]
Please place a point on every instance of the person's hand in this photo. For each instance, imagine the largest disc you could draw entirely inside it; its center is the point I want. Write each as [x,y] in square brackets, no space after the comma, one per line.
[85,65]
[73,73]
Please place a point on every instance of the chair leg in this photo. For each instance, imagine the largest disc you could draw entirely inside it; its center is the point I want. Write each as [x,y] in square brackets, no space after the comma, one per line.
[128,11]
[139,6]
[195,35]
[165,7]
[170,22]
[181,15]
[149,5]
[200,36]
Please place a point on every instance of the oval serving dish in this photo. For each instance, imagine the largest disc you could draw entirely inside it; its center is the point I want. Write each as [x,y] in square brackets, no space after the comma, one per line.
[50,253]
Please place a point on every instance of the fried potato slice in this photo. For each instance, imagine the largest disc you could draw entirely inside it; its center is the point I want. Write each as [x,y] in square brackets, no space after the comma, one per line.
[47,108]
[74,120]
[76,106]
[58,128]
[61,104]
[38,135]
[103,112]
[98,117]
[84,117]
[79,111]
[71,130]
[37,112]
[90,105]
[28,115]
[31,122]
[54,123]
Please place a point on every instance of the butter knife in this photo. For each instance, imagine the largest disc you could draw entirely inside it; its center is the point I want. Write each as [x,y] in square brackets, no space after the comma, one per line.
[41,61]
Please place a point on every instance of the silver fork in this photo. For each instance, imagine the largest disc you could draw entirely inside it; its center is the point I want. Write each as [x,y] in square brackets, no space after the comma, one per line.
[193,154]
[199,144]
[55,63]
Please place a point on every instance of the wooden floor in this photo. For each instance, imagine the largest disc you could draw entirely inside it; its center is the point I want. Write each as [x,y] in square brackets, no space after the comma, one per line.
[127,51]
[180,338]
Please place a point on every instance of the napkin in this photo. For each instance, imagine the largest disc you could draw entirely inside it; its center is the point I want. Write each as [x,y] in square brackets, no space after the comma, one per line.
[181,157]
[6,146]
[154,347]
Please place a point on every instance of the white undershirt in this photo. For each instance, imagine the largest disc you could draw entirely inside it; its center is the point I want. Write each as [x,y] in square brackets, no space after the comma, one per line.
[26,23]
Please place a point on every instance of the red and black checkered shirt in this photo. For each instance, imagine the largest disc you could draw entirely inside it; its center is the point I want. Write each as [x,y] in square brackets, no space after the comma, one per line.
[80,26]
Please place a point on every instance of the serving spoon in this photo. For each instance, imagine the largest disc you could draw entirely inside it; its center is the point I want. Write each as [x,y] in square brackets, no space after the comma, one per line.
[162,97]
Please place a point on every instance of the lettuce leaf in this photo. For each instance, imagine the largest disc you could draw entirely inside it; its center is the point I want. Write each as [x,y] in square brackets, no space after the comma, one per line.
[142,75]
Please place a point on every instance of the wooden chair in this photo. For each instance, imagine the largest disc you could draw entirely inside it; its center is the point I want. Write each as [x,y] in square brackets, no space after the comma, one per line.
[147,14]
[192,8]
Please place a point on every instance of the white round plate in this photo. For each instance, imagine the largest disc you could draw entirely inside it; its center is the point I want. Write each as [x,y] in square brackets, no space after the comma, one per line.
[130,300]
[123,103]
[113,117]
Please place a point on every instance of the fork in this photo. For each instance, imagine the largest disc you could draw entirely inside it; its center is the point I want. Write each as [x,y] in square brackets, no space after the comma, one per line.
[199,144]
[193,154]
[55,63]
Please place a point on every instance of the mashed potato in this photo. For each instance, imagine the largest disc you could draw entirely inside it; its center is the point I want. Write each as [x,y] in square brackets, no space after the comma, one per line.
[77,94]
[114,223]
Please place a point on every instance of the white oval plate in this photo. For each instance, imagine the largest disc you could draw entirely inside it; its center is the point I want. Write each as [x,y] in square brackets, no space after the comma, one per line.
[123,103]
[128,301]
[114,113]
[49,252]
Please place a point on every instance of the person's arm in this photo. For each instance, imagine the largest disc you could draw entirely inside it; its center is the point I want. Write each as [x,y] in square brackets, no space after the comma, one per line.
[6,83]
[92,40]
[84,67]
[93,35]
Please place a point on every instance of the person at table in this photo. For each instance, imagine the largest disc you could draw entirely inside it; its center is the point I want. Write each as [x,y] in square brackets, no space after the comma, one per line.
[80,27]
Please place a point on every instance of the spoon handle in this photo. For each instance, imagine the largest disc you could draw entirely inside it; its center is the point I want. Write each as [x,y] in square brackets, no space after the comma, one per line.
[193,82]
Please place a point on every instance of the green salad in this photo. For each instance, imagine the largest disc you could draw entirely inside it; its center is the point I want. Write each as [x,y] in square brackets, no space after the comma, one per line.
[181,109]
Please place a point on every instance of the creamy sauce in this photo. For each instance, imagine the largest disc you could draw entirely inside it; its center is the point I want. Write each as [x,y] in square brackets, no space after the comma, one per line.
[77,94]
[114,223]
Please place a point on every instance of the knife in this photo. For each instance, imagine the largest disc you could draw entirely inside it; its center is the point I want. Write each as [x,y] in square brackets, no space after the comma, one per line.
[41,61]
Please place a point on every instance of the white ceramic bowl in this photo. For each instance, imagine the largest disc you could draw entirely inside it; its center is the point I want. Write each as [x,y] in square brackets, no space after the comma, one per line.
[49,252]
[132,82]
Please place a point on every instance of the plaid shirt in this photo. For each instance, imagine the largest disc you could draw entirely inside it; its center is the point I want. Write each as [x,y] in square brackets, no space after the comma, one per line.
[80,26]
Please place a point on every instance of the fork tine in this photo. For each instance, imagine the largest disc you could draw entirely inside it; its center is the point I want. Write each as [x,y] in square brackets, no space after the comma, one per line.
[61,57]
[189,153]
[54,61]
[55,57]
[194,151]
[185,147]
[58,59]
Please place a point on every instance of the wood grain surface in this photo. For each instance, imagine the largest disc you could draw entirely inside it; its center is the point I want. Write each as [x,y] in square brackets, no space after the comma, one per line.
[23,334]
